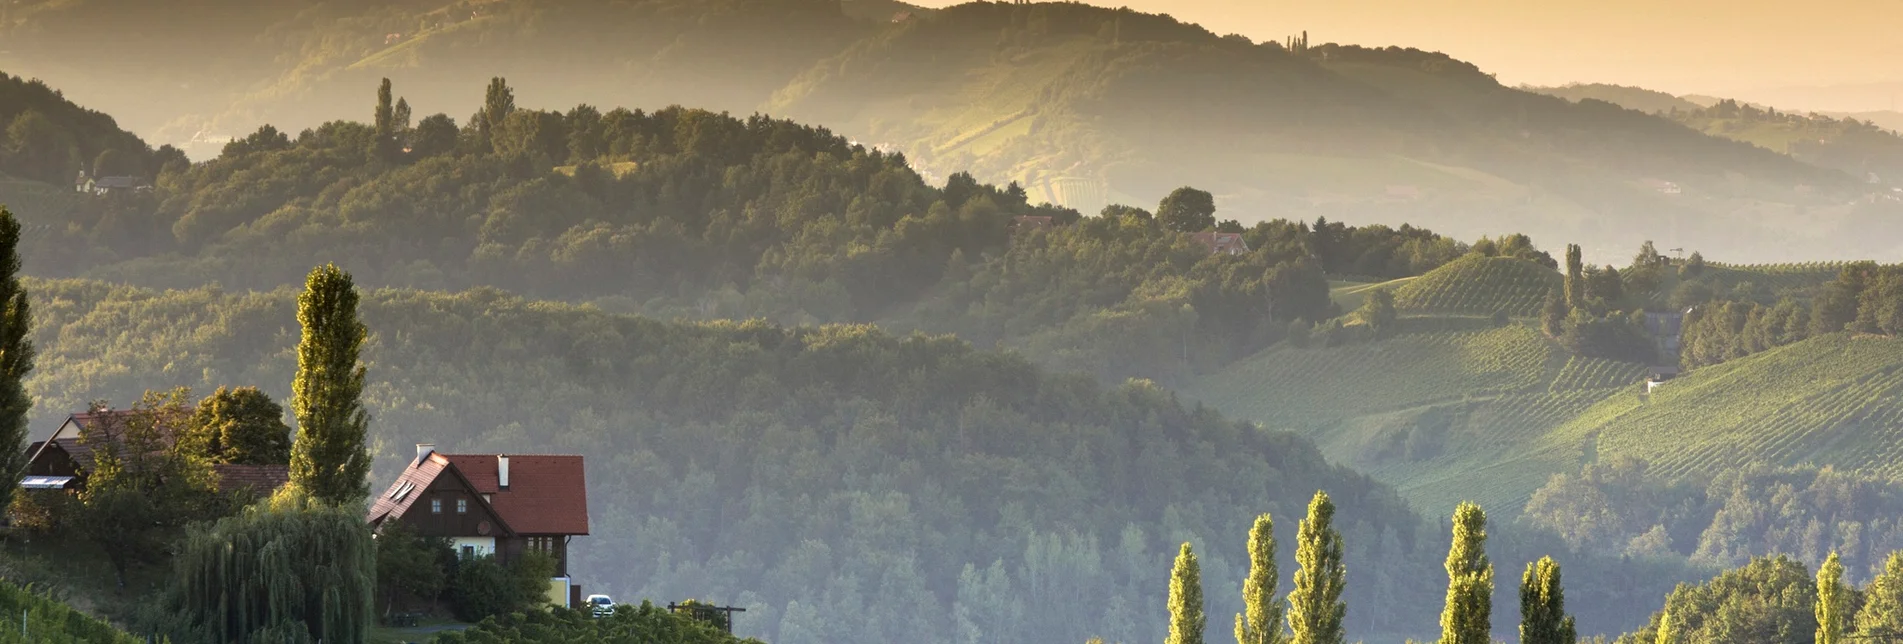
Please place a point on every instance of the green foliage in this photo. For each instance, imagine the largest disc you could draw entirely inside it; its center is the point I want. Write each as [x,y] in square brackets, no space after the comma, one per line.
[1479,284]
[142,484]
[290,567]
[1316,610]
[45,621]
[484,587]
[1187,616]
[410,567]
[1882,612]
[1468,615]
[1832,603]
[1378,313]
[1261,619]
[1187,210]
[16,356]
[329,458]
[645,623]
[1543,618]
[241,425]
[1767,600]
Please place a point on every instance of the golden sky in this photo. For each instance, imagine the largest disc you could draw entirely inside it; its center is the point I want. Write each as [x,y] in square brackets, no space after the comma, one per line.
[1754,49]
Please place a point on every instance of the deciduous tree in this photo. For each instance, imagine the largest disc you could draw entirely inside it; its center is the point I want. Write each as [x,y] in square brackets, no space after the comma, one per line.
[1186,599]
[16,358]
[1261,618]
[329,459]
[1316,611]
[1467,618]
[1543,618]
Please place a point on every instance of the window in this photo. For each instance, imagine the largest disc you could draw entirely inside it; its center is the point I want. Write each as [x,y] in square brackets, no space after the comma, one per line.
[435,506]
[542,544]
[469,552]
[462,506]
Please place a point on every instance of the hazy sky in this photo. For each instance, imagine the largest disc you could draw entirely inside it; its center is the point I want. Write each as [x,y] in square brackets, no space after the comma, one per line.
[1741,48]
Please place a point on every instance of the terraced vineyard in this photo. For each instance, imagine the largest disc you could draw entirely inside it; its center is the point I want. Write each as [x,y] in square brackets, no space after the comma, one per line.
[1833,400]
[1482,285]
[1584,374]
[44,621]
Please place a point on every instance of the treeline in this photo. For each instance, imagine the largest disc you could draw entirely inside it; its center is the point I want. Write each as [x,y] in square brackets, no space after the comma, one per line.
[1777,600]
[45,137]
[629,623]
[1865,298]
[1622,508]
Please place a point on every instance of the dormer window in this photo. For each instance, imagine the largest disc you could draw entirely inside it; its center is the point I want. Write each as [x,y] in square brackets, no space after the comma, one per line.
[435,506]
[462,506]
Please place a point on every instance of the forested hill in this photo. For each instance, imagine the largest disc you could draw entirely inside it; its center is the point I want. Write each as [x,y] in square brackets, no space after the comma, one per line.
[842,484]
[49,139]
[1083,106]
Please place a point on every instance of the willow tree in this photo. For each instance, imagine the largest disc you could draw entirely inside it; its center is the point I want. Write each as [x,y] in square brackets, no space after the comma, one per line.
[328,459]
[1543,618]
[1833,601]
[293,568]
[1315,609]
[1261,618]
[1186,599]
[1468,616]
[16,357]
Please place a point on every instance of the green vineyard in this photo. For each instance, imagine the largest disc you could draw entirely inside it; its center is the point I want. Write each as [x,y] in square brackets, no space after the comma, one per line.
[1776,277]
[37,619]
[1833,400]
[1481,285]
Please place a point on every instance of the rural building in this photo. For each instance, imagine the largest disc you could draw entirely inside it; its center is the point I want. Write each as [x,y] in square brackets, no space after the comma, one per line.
[107,185]
[63,460]
[499,505]
[1224,243]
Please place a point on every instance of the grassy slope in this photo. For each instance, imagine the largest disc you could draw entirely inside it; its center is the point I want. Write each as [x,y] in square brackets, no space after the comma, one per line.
[1433,412]
[1480,285]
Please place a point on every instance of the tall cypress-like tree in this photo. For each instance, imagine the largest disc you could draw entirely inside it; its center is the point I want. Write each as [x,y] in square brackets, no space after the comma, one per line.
[1668,634]
[1882,614]
[16,357]
[1315,611]
[329,459]
[1833,601]
[1186,599]
[1261,618]
[1575,277]
[386,112]
[1467,619]
[1543,618]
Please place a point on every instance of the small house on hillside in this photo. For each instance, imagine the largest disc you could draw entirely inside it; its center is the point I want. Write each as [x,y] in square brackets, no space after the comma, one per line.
[1223,243]
[499,505]
[108,185]
[64,459]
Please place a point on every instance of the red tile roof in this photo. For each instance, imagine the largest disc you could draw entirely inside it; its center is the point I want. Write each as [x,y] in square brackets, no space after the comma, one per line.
[419,475]
[547,494]
[262,479]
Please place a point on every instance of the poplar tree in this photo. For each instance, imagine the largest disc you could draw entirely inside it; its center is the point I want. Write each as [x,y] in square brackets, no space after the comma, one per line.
[385,121]
[1666,633]
[16,358]
[1543,618]
[1261,619]
[1832,601]
[1575,277]
[1467,619]
[1315,610]
[1186,599]
[328,458]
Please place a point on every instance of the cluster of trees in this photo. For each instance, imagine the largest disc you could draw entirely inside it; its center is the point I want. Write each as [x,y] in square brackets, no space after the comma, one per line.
[1623,508]
[45,621]
[645,623]
[1864,298]
[1777,600]
[45,137]
[1583,314]
[1315,613]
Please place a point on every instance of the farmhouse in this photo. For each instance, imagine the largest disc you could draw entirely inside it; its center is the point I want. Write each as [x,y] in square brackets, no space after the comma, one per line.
[499,505]
[108,185]
[65,459]
[1224,243]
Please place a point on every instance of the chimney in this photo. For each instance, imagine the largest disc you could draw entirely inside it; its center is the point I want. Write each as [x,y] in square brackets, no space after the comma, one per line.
[423,450]
[502,471]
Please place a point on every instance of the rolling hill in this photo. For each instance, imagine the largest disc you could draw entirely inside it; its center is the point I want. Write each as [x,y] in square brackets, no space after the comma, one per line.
[1081,105]
[1480,285]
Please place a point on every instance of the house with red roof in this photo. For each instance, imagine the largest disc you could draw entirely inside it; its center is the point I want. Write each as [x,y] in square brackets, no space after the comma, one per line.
[65,459]
[1222,243]
[499,505]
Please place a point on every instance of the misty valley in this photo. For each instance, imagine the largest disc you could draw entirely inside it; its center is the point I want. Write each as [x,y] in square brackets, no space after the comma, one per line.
[853,321]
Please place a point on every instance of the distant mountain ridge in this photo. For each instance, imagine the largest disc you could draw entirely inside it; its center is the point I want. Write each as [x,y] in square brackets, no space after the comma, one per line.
[1082,105]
